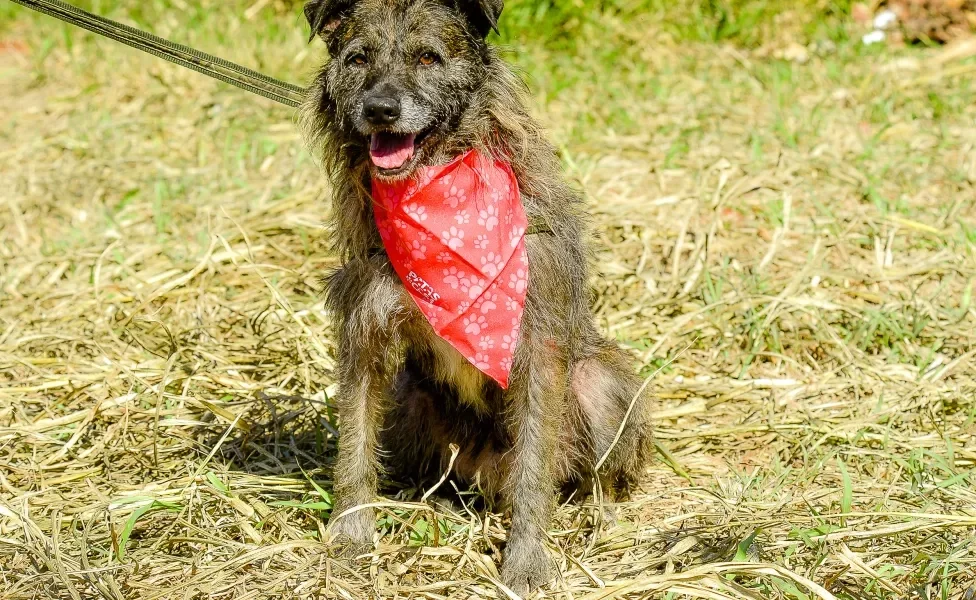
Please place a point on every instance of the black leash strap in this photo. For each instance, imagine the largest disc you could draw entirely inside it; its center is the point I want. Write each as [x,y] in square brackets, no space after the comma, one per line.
[218,68]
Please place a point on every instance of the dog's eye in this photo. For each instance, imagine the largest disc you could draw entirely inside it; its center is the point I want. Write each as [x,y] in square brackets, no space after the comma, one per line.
[357,59]
[429,58]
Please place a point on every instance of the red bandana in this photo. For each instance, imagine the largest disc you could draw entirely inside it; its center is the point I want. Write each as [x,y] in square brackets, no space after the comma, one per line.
[455,234]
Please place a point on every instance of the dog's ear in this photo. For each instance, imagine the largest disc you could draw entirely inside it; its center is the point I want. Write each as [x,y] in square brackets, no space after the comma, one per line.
[482,14]
[325,16]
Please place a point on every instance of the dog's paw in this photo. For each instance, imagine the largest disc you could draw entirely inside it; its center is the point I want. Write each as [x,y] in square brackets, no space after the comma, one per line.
[527,567]
[352,534]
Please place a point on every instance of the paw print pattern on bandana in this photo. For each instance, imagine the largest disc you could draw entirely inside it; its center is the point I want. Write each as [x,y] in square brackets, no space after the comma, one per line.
[453,238]
[492,264]
[454,196]
[418,251]
[416,212]
[488,218]
[455,235]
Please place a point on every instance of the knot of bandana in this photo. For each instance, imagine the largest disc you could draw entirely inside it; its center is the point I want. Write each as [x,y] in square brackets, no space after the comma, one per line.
[455,235]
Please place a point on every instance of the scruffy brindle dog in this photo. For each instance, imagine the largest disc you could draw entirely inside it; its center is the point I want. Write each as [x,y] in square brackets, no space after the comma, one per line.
[419,73]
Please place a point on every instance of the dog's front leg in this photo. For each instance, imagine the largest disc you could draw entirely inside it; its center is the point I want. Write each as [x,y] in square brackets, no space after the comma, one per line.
[535,414]
[367,353]
[355,474]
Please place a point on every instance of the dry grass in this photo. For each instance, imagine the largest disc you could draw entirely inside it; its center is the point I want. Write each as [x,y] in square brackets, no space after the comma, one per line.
[806,231]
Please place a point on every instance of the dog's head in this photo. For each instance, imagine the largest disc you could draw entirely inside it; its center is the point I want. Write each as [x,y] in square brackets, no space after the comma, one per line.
[401,74]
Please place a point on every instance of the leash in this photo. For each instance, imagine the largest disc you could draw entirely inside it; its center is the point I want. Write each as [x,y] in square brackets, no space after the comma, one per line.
[218,68]
[201,62]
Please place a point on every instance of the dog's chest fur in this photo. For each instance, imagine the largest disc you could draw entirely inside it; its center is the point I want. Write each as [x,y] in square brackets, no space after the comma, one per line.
[442,362]
[451,368]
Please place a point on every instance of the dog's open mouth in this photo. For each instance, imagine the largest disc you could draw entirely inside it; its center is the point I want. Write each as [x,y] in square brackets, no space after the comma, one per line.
[391,152]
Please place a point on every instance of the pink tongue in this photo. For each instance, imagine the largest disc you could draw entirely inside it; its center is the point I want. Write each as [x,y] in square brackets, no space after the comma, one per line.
[390,151]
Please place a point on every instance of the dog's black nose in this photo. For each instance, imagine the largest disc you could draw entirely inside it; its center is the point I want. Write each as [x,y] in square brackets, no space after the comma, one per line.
[381,110]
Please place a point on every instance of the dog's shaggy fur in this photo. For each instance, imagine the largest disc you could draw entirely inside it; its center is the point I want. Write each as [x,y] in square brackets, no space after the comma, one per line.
[406,394]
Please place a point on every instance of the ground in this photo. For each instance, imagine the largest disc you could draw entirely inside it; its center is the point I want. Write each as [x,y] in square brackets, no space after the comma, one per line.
[785,224]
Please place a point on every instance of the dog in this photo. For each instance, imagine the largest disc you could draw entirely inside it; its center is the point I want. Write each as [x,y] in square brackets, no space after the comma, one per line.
[410,85]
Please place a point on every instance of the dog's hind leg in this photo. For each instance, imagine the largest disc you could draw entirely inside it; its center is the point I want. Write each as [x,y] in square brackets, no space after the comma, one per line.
[617,418]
